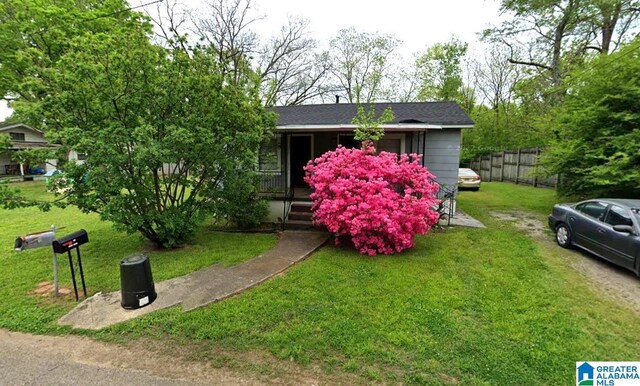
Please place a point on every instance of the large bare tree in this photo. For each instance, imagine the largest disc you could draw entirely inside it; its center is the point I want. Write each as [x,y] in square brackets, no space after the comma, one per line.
[495,78]
[290,66]
[360,64]
[608,23]
[548,35]
[225,27]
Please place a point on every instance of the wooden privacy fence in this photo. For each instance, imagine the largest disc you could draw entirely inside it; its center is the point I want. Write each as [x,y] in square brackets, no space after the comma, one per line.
[514,166]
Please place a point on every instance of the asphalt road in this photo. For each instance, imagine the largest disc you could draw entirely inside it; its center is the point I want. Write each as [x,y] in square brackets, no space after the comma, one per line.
[46,360]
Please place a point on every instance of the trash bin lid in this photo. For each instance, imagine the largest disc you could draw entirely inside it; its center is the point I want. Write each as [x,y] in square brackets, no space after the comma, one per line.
[133,259]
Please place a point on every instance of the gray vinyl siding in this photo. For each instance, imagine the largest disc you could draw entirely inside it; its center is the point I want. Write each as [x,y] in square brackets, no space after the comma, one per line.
[442,153]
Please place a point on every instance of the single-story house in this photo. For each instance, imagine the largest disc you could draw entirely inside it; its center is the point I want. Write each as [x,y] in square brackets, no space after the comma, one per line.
[24,137]
[305,132]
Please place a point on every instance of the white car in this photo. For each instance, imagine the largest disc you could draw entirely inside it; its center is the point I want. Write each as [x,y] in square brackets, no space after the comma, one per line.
[468,179]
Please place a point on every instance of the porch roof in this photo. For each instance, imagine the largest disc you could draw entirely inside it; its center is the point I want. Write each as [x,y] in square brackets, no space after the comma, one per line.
[415,116]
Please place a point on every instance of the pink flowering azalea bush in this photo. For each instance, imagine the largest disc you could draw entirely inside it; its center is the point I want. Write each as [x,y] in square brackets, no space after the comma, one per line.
[379,201]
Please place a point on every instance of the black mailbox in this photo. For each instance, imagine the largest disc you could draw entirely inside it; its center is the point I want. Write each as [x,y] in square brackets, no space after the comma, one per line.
[69,242]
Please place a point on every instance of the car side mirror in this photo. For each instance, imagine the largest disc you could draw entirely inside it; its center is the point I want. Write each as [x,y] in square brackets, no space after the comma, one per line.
[624,229]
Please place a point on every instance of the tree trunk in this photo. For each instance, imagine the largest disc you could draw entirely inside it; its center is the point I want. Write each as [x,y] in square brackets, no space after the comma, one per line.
[609,20]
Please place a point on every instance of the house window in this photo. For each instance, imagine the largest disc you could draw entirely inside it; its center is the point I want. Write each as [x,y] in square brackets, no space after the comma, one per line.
[82,156]
[392,143]
[348,141]
[17,136]
[270,154]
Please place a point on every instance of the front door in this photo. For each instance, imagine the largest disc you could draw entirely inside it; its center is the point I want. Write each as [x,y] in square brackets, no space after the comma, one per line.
[300,146]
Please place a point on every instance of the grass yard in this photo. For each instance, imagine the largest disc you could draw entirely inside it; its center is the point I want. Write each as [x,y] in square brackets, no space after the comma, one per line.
[469,306]
[466,306]
[20,272]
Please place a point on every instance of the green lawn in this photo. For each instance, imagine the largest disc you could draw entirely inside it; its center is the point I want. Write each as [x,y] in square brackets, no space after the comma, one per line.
[470,306]
[495,196]
[20,272]
[474,306]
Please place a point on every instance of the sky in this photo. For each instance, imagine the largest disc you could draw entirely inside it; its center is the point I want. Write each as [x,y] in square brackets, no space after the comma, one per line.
[417,23]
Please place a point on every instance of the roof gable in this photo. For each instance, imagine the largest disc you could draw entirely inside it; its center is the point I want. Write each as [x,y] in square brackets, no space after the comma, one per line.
[432,113]
[8,127]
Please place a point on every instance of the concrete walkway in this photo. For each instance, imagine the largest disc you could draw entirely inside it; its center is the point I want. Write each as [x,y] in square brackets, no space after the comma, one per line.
[464,220]
[202,287]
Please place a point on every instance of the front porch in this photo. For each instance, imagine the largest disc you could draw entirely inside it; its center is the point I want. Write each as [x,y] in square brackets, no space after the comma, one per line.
[13,170]
[283,158]
[19,178]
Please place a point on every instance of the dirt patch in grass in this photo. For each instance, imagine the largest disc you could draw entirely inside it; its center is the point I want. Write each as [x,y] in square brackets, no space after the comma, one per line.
[257,366]
[82,350]
[201,363]
[523,221]
[614,282]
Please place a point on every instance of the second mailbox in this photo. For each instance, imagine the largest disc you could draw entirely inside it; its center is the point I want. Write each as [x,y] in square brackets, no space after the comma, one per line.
[68,242]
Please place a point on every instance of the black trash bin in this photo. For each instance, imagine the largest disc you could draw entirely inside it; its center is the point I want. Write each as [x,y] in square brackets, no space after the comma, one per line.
[136,282]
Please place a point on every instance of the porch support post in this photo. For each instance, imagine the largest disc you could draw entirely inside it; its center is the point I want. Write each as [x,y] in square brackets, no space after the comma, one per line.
[286,163]
[410,144]
[21,169]
[424,146]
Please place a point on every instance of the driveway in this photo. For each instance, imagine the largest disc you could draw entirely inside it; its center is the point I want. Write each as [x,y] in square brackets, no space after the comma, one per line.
[614,282]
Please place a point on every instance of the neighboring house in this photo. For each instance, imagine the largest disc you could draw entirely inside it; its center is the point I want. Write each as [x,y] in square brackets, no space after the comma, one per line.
[75,156]
[308,131]
[24,137]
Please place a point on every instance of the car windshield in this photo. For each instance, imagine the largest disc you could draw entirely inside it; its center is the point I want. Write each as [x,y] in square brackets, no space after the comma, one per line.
[466,172]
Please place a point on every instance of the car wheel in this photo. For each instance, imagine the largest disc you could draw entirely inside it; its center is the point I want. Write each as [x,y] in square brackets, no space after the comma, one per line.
[475,189]
[563,236]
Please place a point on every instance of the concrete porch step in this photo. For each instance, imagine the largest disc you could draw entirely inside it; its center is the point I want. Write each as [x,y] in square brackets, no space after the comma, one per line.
[301,216]
[301,207]
[301,225]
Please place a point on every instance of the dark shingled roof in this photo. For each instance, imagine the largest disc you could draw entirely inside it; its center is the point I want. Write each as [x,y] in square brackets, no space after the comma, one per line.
[434,113]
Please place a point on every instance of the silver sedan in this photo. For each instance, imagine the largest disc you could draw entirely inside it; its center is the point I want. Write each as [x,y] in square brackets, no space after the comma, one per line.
[468,179]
